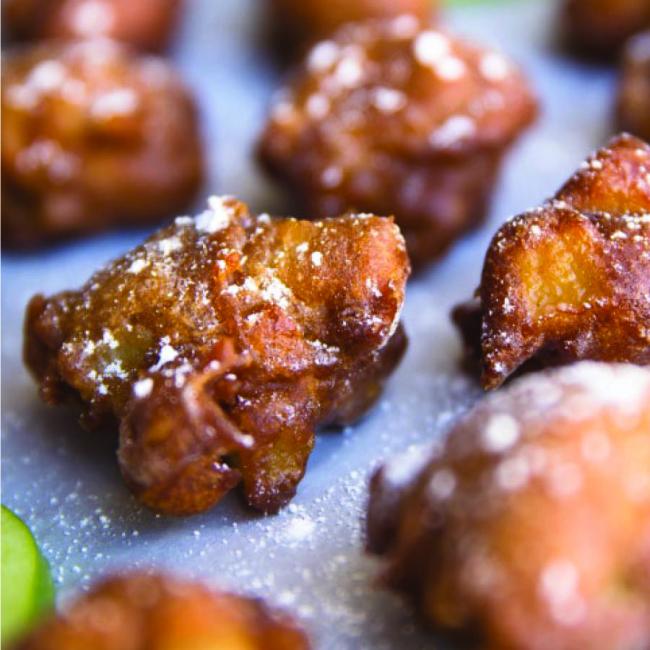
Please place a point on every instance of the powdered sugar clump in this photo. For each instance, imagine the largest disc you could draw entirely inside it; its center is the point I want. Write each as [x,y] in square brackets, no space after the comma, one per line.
[143,388]
[166,355]
[430,47]
[216,218]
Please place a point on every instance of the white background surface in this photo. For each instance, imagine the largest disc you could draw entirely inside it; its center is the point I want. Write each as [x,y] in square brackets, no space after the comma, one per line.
[65,481]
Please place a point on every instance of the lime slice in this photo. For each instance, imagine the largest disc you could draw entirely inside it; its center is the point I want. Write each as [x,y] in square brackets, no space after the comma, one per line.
[27,589]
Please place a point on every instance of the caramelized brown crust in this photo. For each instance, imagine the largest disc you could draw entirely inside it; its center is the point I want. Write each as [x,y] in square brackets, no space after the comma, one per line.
[295,24]
[140,611]
[221,343]
[570,280]
[531,527]
[143,24]
[633,109]
[93,136]
[392,119]
[601,27]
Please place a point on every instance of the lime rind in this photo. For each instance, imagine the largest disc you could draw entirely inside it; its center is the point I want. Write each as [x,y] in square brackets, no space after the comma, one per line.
[26,588]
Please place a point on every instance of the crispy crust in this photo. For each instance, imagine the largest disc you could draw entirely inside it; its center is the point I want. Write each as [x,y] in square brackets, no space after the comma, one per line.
[140,611]
[93,136]
[601,27]
[529,529]
[221,343]
[144,25]
[570,280]
[633,108]
[393,119]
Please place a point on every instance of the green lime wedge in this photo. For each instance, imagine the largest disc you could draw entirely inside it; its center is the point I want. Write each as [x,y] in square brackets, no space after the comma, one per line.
[27,589]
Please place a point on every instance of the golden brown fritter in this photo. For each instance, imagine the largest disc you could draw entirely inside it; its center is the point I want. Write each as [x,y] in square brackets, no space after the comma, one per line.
[93,136]
[570,280]
[392,119]
[634,93]
[221,343]
[140,611]
[530,529]
[295,24]
[143,24]
[601,27]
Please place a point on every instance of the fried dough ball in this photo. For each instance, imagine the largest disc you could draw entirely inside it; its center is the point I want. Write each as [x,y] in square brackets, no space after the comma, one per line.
[140,611]
[221,343]
[570,280]
[634,93]
[601,27]
[93,136]
[299,23]
[530,528]
[143,24]
[392,119]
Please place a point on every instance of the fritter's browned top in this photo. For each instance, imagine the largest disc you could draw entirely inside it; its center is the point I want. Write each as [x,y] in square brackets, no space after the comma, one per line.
[143,24]
[570,280]
[139,611]
[391,87]
[222,342]
[531,527]
[92,136]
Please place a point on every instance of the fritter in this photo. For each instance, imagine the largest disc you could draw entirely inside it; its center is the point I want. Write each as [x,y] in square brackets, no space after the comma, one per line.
[142,24]
[140,611]
[221,343]
[601,27]
[633,110]
[93,136]
[570,280]
[530,528]
[391,118]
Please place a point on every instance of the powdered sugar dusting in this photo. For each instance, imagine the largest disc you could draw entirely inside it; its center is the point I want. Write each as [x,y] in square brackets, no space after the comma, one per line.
[93,17]
[500,433]
[456,129]
[121,101]
[389,100]
[137,265]
[323,56]
[143,388]
[494,67]
[300,527]
[166,355]
[216,218]
[430,47]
